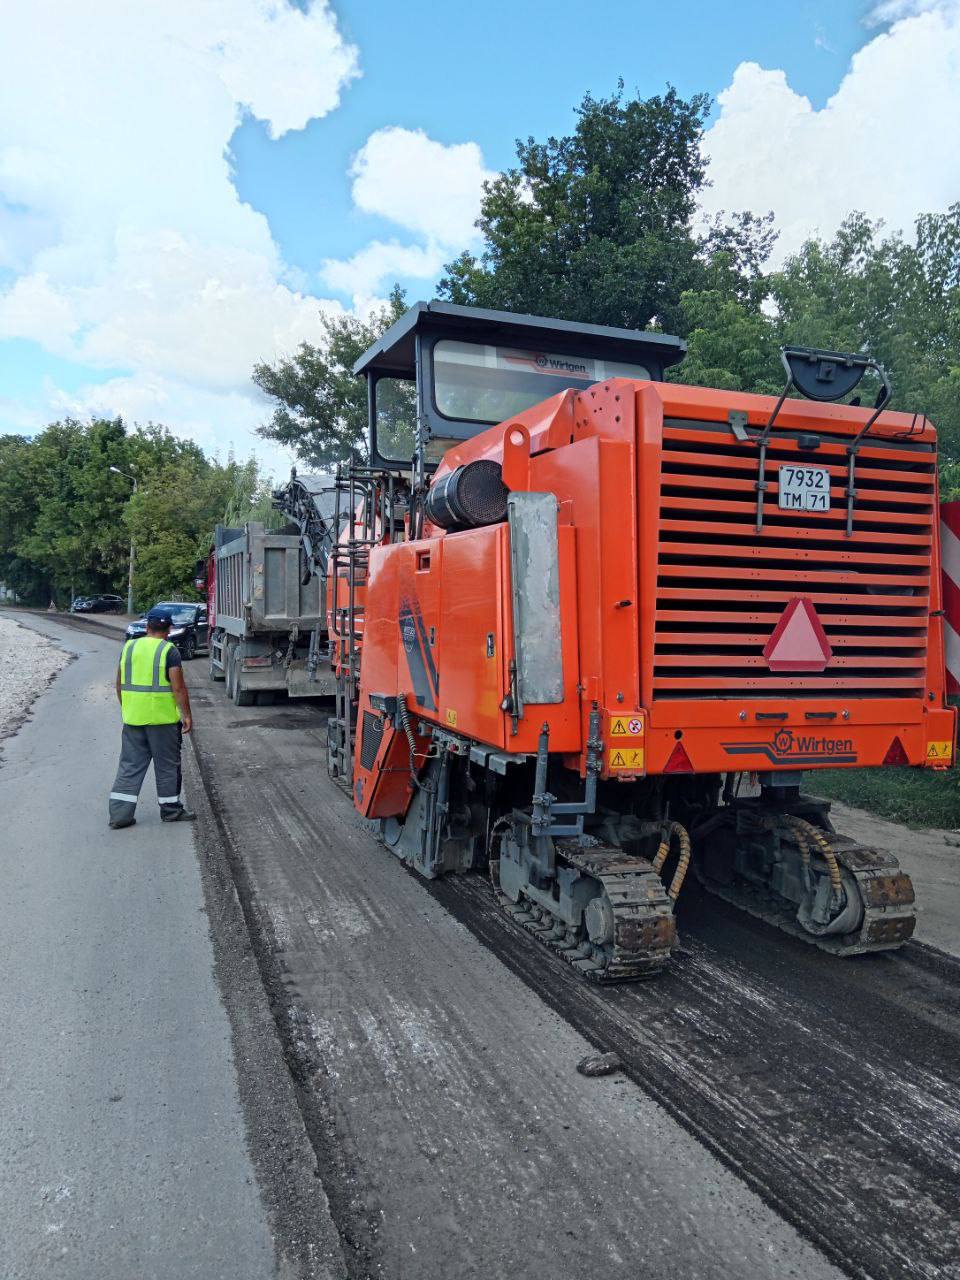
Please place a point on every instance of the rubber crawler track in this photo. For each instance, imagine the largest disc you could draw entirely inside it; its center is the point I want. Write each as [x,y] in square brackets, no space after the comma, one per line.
[889,913]
[644,929]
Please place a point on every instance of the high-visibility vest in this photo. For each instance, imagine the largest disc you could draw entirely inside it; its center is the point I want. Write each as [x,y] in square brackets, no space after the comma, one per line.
[145,693]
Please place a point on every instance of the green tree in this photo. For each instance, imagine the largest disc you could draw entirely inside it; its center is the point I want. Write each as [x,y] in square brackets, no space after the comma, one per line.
[597,226]
[18,509]
[75,537]
[66,519]
[898,299]
[173,513]
[321,408]
[251,498]
[730,344]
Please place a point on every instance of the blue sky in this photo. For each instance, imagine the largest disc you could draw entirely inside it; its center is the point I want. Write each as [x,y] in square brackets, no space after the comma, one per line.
[519,72]
[184,184]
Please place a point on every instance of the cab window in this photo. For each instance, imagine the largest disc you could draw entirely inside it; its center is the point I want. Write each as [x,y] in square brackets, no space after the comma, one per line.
[396,418]
[478,383]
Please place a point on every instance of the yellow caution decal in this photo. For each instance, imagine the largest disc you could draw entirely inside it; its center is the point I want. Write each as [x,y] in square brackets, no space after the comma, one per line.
[629,727]
[625,757]
[451,718]
[939,752]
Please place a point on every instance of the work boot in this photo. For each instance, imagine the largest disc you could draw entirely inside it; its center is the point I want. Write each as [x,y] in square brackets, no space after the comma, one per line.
[181,815]
[124,822]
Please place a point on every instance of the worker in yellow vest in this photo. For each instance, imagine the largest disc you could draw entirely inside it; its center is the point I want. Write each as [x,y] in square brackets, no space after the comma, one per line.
[156,714]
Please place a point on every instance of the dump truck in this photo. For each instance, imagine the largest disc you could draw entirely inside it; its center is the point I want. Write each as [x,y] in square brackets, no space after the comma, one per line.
[599,627]
[267,614]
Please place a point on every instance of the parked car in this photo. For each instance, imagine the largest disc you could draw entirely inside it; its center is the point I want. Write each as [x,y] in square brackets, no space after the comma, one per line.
[98,604]
[189,629]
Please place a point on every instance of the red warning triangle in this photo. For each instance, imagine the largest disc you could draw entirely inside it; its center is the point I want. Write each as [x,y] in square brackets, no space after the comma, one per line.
[679,761]
[799,642]
[896,754]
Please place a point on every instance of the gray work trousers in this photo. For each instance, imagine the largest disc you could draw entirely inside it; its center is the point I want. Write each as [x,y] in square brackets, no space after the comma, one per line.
[140,744]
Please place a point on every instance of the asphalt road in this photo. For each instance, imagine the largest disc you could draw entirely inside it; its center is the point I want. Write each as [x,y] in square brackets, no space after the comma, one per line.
[779,1113]
[453,1132]
[123,1144]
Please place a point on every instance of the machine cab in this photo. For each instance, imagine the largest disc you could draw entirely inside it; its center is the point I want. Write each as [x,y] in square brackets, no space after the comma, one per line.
[443,373]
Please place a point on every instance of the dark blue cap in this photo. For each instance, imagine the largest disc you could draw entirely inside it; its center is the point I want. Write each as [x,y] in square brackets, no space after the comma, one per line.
[159,618]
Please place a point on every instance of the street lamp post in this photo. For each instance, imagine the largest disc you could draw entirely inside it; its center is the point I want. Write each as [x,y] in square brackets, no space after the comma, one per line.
[133,480]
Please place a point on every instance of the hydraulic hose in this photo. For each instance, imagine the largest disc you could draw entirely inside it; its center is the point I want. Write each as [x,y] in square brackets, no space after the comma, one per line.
[671,830]
[810,836]
[403,715]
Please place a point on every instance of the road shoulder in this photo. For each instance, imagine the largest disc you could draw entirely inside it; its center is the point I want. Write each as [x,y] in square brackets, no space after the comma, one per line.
[283,1156]
[932,860]
[126,1085]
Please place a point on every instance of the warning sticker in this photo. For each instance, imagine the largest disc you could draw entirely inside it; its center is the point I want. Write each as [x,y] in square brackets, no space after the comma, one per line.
[939,751]
[451,717]
[625,758]
[626,727]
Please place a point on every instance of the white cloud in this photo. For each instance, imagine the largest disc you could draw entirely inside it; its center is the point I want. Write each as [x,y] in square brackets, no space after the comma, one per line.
[894,10]
[381,262]
[286,64]
[221,422]
[421,185]
[34,308]
[130,246]
[884,143]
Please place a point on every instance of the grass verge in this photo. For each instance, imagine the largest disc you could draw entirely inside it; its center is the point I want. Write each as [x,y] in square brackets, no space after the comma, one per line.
[917,797]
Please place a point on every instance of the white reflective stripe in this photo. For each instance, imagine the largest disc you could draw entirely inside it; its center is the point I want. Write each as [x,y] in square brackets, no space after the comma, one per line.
[952,647]
[159,655]
[168,799]
[118,795]
[950,553]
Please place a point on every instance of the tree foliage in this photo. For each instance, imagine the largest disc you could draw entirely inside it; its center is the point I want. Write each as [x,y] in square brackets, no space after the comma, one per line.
[321,408]
[66,519]
[730,344]
[894,296]
[598,225]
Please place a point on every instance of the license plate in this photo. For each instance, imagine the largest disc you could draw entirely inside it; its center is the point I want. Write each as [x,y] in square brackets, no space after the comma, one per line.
[804,488]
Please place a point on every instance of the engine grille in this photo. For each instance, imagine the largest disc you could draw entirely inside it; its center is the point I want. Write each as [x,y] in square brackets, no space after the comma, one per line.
[722,588]
[370,739]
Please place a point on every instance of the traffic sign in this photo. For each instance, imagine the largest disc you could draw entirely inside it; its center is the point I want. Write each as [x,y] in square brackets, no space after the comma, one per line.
[799,642]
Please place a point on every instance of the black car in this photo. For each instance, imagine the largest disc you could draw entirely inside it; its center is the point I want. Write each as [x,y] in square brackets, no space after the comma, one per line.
[189,629]
[98,604]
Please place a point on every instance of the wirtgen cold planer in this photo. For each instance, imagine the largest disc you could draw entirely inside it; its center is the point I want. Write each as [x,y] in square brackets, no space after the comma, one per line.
[574,606]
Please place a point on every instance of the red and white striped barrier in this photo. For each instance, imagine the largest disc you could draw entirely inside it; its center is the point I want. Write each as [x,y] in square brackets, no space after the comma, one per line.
[950,561]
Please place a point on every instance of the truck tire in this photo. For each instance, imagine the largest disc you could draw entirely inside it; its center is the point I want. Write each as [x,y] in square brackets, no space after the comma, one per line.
[241,697]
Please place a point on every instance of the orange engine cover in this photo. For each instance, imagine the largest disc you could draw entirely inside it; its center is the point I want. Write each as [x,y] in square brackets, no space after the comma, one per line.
[794,645]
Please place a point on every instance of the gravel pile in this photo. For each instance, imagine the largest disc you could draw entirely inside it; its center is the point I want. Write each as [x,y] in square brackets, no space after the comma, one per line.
[28,662]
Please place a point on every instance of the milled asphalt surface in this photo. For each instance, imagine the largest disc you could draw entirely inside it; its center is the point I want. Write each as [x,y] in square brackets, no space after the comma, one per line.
[454,1134]
[779,1113]
[123,1144]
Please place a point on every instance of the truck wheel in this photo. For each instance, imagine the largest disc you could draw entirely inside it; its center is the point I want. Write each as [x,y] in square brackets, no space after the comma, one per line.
[241,697]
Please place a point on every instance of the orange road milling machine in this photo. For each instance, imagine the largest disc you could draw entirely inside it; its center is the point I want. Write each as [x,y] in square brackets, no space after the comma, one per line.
[590,628]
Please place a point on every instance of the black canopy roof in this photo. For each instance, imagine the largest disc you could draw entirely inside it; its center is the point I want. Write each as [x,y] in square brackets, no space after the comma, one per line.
[394,352]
